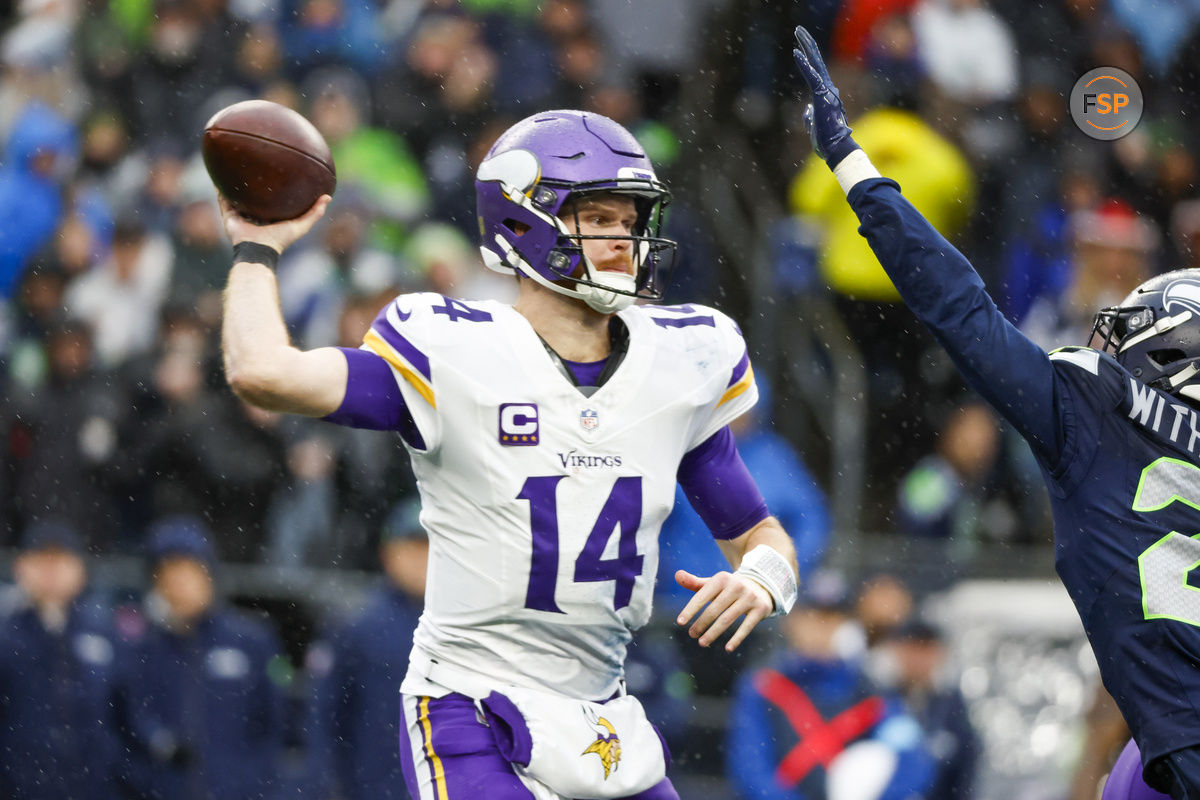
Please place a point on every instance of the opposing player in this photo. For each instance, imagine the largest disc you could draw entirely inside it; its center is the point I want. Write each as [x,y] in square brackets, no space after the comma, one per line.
[546,437]
[1115,430]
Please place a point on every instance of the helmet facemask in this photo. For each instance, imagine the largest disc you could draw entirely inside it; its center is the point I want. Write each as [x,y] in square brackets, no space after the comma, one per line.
[1156,339]
[652,256]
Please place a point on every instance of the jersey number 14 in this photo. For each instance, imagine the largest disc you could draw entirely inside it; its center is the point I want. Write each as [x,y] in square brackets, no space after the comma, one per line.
[622,509]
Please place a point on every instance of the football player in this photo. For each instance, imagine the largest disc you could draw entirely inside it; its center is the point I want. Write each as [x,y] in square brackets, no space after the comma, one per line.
[547,438]
[1115,431]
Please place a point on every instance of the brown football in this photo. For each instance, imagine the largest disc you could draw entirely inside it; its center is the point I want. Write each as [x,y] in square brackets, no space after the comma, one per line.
[266,159]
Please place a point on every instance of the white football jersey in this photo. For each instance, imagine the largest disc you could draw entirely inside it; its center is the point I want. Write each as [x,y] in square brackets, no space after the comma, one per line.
[543,506]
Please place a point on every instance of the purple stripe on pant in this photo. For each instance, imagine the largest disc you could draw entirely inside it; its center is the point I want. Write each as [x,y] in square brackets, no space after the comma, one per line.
[470,760]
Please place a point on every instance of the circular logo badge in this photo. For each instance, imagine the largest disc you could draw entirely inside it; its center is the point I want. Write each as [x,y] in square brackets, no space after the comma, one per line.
[1106,103]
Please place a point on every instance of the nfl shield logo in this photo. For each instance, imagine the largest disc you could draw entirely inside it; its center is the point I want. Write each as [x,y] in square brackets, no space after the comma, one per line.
[589,419]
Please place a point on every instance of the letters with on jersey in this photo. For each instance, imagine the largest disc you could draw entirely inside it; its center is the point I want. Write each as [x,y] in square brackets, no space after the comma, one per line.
[543,516]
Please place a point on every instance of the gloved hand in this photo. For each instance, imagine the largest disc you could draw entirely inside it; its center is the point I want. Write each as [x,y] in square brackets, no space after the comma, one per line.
[824,116]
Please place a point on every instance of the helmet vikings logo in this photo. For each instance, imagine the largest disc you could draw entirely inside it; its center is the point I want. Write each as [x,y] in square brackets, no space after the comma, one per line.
[1183,294]
[607,744]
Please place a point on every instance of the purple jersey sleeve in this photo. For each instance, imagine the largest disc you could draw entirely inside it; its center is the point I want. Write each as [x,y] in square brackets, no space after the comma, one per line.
[717,484]
[373,400]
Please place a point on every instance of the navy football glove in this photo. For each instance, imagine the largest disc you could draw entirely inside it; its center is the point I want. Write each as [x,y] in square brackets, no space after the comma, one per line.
[824,116]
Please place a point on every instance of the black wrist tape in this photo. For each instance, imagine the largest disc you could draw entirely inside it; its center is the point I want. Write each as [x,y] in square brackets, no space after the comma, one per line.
[255,253]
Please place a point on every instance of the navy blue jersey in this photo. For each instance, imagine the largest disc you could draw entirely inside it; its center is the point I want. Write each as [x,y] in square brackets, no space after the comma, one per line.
[1121,461]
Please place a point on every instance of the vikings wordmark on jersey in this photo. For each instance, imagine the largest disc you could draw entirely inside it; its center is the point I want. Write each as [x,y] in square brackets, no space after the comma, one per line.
[543,516]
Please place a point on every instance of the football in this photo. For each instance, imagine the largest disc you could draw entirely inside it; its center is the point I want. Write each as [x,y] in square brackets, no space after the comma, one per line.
[269,162]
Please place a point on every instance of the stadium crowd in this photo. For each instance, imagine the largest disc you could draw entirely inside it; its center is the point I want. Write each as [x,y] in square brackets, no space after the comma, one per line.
[116,420]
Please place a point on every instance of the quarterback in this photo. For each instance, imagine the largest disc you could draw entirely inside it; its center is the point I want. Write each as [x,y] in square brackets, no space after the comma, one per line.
[1115,430]
[547,438]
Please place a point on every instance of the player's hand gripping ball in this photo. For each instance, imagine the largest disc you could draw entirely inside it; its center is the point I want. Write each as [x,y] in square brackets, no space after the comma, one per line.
[268,161]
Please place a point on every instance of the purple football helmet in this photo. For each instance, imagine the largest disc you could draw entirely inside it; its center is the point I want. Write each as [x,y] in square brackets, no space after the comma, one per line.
[526,181]
[1155,333]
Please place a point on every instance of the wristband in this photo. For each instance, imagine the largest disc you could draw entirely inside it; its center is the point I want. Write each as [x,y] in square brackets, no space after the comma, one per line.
[764,565]
[854,168]
[255,253]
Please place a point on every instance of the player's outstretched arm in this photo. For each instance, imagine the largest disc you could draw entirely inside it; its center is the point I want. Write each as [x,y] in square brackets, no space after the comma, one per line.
[762,557]
[261,365]
[936,281]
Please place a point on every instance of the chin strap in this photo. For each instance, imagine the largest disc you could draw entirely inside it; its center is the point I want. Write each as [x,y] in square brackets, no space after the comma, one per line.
[604,301]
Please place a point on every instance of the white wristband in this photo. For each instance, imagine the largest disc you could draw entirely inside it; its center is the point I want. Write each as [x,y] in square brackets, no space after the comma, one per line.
[766,566]
[853,169]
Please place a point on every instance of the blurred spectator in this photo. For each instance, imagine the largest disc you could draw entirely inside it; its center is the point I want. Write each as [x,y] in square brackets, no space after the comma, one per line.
[884,603]
[357,669]
[1160,29]
[797,728]
[322,33]
[317,281]
[856,22]
[58,720]
[37,158]
[446,261]
[160,194]
[122,297]
[1113,248]
[437,93]
[260,58]
[968,50]
[1185,228]
[63,438]
[375,161]
[108,161]
[914,661]
[202,253]
[1037,259]
[656,672]
[792,496]
[38,307]
[302,520]
[933,172]
[940,497]
[340,482]
[186,58]
[654,57]
[206,716]
[896,352]
[177,457]
[1046,147]
[35,53]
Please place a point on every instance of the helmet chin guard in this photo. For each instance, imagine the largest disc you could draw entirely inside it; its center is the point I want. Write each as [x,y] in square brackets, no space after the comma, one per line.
[527,180]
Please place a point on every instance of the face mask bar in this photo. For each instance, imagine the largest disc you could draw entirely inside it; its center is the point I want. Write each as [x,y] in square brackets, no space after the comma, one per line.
[653,255]
[1116,323]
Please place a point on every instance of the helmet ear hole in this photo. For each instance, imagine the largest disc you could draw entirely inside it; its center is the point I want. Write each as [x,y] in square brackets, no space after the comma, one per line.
[1166,356]
[516,226]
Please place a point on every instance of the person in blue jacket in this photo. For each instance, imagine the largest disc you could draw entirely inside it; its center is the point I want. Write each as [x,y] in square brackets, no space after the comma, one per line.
[58,729]
[36,157]
[357,671]
[205,719]
[1115,431]
[811,724]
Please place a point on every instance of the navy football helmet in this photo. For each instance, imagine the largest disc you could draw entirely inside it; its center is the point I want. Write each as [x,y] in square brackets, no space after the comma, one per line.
[1155,333]
[528,178]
